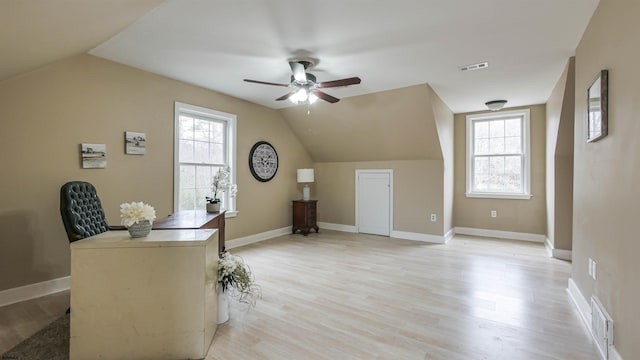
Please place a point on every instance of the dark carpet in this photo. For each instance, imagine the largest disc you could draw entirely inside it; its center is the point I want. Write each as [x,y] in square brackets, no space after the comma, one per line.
[50,343]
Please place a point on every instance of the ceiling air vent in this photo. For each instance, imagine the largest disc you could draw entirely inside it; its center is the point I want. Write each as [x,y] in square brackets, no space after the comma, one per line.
[477,66]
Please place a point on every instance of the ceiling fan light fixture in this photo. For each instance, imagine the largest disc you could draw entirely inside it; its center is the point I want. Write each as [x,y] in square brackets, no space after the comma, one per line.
[495,105]
[302,95]
[312,98]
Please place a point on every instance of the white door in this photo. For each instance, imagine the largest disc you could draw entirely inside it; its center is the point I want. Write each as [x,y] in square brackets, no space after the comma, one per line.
[373,201]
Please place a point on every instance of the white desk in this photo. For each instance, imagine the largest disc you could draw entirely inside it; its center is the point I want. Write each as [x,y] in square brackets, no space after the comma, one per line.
[147,298]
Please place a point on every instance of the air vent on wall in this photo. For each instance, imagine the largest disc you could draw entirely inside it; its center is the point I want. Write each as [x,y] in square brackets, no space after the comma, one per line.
[477,66]
[601,327]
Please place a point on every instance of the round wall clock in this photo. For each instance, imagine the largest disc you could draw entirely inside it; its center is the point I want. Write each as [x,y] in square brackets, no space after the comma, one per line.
[263,161]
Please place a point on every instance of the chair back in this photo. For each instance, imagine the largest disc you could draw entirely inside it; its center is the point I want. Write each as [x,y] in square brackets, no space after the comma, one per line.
[81,210]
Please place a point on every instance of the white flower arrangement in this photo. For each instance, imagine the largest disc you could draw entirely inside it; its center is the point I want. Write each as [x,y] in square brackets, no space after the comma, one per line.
[222,182]
[234,274]
[131,213]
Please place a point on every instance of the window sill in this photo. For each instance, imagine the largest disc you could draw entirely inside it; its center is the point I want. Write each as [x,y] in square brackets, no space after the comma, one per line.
[499,196]
[231,214]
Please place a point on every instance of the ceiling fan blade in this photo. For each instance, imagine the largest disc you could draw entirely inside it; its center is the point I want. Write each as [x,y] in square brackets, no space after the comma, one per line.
[265,83]
[325,96]
[298,71]
[341,82]
[285,96]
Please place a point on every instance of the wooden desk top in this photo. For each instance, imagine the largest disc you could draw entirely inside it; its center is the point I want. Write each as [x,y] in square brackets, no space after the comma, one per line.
[186,219]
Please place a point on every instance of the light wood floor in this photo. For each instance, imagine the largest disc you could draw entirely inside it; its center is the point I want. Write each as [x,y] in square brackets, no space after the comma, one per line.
[336,295]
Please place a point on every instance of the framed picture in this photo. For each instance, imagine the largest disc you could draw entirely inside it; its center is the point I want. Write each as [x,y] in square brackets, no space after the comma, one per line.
[94,156]
[598,107]
[135,143]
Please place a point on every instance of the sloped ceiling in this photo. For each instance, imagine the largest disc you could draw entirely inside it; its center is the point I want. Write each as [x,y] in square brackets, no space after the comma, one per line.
[390,44]
[389,125]
[34,33]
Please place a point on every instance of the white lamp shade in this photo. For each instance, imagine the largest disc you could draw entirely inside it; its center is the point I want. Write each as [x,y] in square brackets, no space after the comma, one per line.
[305,175]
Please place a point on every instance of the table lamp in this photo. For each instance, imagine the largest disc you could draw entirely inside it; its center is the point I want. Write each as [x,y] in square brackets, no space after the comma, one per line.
[305,176]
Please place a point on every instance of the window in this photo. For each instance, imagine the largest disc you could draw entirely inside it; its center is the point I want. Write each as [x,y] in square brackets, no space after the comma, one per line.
[205,141]
[498,161]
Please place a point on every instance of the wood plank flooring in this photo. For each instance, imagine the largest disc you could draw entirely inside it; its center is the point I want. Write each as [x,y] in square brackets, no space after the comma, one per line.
[337,295]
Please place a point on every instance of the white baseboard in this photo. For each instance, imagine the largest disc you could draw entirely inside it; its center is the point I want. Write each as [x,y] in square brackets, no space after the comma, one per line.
[251,239]
[418,237]
[557,253]
[394,233]
[32,291]
[580,302]
[337,227]
[500,234]
[584,309]
[449,235]
[613,354]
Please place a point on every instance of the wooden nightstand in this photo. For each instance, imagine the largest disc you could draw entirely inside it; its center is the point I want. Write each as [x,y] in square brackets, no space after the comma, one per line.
[304,216]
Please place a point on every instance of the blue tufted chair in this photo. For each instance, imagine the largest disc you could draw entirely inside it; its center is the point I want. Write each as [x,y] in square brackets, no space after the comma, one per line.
[81,210]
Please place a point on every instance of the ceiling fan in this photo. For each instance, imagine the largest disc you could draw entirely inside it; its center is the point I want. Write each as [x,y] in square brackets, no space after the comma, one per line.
[305,87]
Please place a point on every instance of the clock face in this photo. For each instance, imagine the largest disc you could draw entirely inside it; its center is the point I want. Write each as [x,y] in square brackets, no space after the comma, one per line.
[263,161]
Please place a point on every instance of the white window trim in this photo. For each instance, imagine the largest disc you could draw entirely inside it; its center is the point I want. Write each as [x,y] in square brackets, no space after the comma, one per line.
[231,120]
[526,141]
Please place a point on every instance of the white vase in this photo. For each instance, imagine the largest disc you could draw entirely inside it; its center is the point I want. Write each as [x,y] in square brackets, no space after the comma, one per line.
[223,305]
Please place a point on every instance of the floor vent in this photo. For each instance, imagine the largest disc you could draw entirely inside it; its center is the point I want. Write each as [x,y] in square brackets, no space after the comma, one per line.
[601,327]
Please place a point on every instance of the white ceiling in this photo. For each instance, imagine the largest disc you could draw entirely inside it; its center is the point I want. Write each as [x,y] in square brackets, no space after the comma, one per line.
[389,44]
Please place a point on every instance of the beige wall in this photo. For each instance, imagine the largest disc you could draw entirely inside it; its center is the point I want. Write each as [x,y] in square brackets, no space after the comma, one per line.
[606,173]
[525,216]
[47,113]
[389,125]
[417,193]
[559,159]
[408,130]
[444,123]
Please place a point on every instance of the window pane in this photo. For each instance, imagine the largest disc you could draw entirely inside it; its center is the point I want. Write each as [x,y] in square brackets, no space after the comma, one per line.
[512,127]
[481,166]
[201,152]
[496,165]
[201,130]
[187,197]
[513,165]
[496,182]
[202,142]
[496,146]
[201,200]
[496,128]
[481,147]
[512,145]
[481,129]
[186,127]
[187,177]
[217,154]
[497,152]
[481,182]
[186,151]
[217,132]
[203,177]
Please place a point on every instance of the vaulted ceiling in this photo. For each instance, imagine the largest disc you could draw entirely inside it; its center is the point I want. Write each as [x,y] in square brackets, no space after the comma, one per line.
[389,44]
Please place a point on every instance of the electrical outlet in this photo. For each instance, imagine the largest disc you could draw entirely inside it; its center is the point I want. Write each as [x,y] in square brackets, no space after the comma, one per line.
[434,218]
[494,213]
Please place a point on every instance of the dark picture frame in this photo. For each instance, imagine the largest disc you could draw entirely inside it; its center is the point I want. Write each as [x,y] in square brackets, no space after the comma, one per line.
[598,107]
